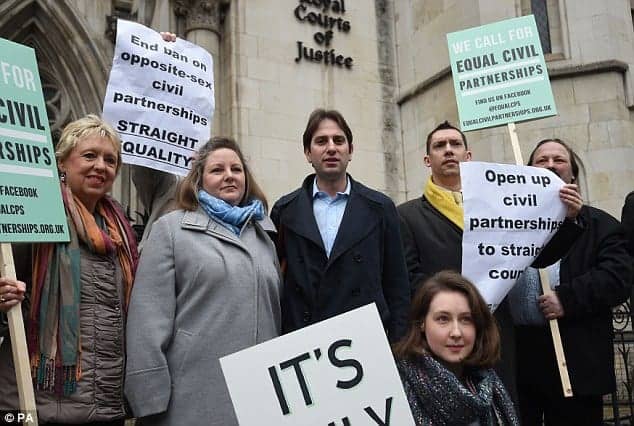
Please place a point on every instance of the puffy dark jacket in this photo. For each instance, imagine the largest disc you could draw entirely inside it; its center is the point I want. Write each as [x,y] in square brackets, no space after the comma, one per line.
[99,394]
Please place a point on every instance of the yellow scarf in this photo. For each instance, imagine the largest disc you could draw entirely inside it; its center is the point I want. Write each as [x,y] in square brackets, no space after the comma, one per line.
[445,202]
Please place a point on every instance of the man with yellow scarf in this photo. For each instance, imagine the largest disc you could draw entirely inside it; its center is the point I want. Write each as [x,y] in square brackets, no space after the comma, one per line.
[432,225]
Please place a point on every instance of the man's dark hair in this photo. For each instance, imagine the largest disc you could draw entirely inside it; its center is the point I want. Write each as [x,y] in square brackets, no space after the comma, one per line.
[444,126]
[319,115]
[574,164]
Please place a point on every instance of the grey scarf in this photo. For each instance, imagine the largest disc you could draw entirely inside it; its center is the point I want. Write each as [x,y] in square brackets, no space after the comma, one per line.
[437,397]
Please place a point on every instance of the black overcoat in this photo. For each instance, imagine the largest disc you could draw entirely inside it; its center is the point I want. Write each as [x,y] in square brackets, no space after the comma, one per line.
[627,219]
[366,262]
[595,276]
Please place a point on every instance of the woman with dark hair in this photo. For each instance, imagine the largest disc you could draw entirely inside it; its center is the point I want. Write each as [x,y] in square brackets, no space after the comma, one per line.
[446,357]
[208,285]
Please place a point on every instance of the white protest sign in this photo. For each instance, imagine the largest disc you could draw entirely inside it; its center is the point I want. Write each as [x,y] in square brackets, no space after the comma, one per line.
[338,371]
[510,213]
[160,98]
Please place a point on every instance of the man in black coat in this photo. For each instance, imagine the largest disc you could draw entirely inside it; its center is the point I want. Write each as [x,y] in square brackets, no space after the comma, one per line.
[432,225]
[338,241]
[592,278]
[627,219]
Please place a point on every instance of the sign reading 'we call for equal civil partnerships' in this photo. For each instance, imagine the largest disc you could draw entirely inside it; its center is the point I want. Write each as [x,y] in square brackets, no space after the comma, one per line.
[499,74]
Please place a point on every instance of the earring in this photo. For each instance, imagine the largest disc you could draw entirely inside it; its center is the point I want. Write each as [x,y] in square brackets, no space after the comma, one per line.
[62,177]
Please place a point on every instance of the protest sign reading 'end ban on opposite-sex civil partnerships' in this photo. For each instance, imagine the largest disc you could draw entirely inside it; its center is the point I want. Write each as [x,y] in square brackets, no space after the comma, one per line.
[160,98]
[31,208]
[499,74]
[339,371]
[510,213]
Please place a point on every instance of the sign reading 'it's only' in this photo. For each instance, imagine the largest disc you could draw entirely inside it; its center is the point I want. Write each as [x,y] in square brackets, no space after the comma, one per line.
[338,371]
[499,74]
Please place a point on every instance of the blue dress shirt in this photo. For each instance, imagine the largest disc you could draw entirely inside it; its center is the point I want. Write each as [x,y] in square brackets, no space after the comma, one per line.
[328,213]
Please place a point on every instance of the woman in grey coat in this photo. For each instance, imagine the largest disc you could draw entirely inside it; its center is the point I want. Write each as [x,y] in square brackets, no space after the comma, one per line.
[208,285]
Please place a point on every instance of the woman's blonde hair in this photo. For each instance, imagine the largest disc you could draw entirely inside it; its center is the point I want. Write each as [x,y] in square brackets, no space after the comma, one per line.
[90,125]
[189,187]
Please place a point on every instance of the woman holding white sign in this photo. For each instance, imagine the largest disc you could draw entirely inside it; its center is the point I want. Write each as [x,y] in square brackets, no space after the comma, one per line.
[446,358]
[78,292]
[208,285]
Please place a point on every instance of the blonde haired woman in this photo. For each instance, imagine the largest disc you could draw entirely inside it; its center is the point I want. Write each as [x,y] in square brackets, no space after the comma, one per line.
[78,291]
[208,285]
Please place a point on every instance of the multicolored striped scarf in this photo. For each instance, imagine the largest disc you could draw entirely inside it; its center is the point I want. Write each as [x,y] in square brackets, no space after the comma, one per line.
[53,332]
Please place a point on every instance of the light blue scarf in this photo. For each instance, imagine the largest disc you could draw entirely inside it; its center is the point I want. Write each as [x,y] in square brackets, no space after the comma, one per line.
[232,217]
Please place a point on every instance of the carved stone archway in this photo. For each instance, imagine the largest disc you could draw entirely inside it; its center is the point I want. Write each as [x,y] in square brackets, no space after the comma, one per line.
[73,61]
[73,69]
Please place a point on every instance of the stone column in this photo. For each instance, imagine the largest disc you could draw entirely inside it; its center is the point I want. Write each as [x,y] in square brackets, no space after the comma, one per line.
[203,26]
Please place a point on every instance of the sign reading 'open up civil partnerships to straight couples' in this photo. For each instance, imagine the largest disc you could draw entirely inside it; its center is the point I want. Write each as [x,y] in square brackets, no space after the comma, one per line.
[31,208]
[499,74]
[510,214]
[338,371]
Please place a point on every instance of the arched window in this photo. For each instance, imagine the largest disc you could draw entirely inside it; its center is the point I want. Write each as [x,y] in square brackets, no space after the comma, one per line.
[540,11]
[73,63]
[57,104]
[550,24]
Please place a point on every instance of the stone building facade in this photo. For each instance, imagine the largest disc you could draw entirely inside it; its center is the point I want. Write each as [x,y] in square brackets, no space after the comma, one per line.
[383,63]
[591,48]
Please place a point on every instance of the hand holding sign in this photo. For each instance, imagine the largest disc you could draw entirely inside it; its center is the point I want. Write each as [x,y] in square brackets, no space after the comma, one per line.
[167,36]
[551,306]
[571,198]
[11,293]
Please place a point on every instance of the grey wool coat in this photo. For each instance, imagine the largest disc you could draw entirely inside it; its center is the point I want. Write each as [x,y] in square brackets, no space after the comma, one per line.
[200,293]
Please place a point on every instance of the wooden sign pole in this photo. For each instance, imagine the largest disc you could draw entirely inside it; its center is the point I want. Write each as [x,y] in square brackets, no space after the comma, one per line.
[543,275]
[18,342]
[559,348]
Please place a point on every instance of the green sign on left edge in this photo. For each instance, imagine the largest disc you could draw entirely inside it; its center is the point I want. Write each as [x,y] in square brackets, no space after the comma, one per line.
[499,74]
[31,208]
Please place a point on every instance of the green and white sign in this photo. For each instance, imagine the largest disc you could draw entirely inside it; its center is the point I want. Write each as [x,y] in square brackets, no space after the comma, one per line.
[499,74]
[31,208]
